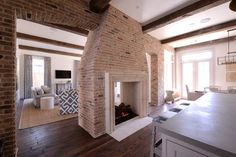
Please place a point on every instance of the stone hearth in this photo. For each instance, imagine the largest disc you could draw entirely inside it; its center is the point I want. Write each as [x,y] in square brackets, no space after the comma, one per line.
[134,92]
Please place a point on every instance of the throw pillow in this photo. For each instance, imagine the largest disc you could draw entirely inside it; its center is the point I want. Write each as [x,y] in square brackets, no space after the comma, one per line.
[39,91]
[46,89]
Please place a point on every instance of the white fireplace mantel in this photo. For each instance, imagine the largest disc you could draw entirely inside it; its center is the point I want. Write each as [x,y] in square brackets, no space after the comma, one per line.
[110,78]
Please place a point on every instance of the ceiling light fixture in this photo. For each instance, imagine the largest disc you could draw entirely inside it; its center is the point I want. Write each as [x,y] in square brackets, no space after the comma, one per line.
[53,29]
[205,20]
[232,5]
[229,58]
[192,24]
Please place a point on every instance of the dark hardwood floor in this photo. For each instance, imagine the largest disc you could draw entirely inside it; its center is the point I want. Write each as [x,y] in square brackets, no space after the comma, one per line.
[67,139]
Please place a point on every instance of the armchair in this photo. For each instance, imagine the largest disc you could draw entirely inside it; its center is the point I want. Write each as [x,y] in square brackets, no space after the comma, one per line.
[193,95]
[38,95]
[172,95]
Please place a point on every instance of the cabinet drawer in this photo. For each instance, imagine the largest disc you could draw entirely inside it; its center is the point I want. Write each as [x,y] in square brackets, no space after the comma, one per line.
[176,150]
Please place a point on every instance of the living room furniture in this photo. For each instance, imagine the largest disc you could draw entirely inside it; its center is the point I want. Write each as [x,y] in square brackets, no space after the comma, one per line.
[60,87]
[47,103]
[38,93]
[69,101]
[172,96]
[232,89]
[212,88]
[193,95]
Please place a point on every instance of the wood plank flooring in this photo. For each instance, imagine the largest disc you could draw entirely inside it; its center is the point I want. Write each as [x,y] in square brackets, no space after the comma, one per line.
[66,139]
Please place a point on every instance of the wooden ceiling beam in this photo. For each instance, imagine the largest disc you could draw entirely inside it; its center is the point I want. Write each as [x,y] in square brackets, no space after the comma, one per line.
[187,11]
[98,6]
[211,29]
[207,43]
[30,48]
[75,30]
[48,41]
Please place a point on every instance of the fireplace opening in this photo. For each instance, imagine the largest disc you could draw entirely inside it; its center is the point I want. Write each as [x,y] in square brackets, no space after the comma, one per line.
[126,101]
[123,113]
[124,92]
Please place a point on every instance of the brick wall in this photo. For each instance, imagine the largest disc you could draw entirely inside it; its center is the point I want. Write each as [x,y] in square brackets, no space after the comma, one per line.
[156,50]
[73,13]
[154,47]
[7,78]
[116,45]
[70,12]
[154,79]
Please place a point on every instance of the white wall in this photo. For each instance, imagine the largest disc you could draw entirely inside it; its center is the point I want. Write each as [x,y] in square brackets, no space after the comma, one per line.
[218,71]
[148,57]
[18,79]
[58,62]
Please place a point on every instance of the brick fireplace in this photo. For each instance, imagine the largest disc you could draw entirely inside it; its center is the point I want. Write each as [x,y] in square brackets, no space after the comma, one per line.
[116,46]
[133,92]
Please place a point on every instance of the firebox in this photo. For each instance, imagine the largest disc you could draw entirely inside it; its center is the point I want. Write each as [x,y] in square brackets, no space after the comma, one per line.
[125,97]
[126,101]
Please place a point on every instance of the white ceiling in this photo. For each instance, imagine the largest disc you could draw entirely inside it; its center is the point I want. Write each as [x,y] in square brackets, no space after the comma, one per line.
[148,10]
[50,33]
[145,11]
[202,38]
[217,15]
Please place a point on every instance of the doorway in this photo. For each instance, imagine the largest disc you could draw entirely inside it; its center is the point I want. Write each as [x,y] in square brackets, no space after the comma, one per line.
[47,57]
[196,71]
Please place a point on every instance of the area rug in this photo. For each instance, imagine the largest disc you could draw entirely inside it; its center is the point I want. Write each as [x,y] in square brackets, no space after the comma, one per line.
[126,129]
[31,116]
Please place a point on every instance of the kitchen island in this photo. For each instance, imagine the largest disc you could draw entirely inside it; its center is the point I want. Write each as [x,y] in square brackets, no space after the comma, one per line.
[206,128]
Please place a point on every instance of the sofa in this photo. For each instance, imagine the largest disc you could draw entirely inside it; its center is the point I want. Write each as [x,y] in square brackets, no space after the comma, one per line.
[43,91]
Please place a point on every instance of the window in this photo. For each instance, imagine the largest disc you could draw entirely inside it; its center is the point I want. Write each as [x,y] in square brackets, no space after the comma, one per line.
[196,70]
[203,75]
[38,71]
[196,56]
[187,77]
[168,70]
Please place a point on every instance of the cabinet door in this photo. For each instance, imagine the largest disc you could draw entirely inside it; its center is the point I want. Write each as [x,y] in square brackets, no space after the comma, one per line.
[175,150]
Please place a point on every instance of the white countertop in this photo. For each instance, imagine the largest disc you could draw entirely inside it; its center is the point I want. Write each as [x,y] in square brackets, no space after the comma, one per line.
[209,123]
